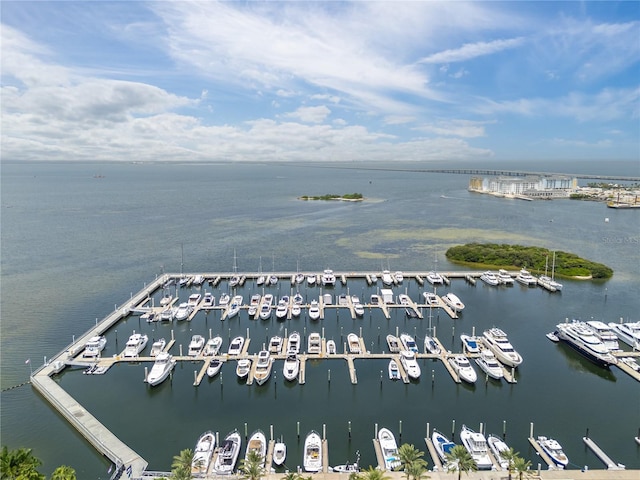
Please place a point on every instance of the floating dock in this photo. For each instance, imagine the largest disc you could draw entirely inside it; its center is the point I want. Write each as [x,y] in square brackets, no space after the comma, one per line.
[611,465]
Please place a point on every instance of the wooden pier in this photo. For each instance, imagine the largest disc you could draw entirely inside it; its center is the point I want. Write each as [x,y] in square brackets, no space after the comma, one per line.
[434,456]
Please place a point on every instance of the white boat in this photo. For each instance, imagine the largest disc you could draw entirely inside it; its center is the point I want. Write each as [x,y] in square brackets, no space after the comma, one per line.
[157,347]
[470,344]
[312,460]
[328,278]
[442,445]
[394,344]
[547,282]
[498,447]
[358,308]
[628,332]
[275,344]
[376,300]
[279,453]
[263,367]
[408,343]
[94,346]
[291,367]
[260,280]
[214,367]
[314,343]
[202,454]
[399,276]
[311,280]
[463,368]
[525,278]
[166,299]
[243,367]
[354,343]
[196,345]
[435,278]
[605,333]
[257,443]
[296,310]
[453,301]
[293,343]
[389,449]
[282,309]
[410,364]
[208,300]
[496,340]
[265,308]
[580,337]
[235,347]
[552,336]
[299,278]
[161,368]
[387,279]
[431,299]
[212,347]
[228,454]
[135,345]
[489,364]
[298,298]
[183,311]
[476,445]
[374,278]
[331,347]
[194,299]
[168,314]
[234,281]
[349,467]
[343,300]
[394,371]
[273,279]
[198,280]
[234,306]
[489,278]
[554,450]
[504,277]
[431,346]
[314,310]
[224,299]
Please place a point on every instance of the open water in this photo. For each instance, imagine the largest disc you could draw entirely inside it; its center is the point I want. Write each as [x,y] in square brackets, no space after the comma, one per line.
[79,238]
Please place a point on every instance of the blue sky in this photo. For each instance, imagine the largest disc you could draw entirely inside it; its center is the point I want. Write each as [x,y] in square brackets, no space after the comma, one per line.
[320,81]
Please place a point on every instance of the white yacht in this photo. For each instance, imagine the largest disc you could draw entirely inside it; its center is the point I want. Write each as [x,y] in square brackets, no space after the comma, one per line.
[435,278]
[243,367]
[254,304]
[198,280]
[389,449]
[279,452]
[552,448]
[394,371]
[470,344]
[431,299]
[453,301]
[282,309]
[208,300]
[298,298]
[331,347]
[605,333]
[202,454]
[157,347]
[166,299]
[504,277]
[296,310]
[442,445]
[398,276]
[489,364]
[431,346]
[263,367]
[328,278]
[94,346]
[228,454]
[214,367]
[234,306]
[135,345]
[196,345]
[161,368]
[409,363]
[463,368]
[212,347]
[387,279]
[291,367]
[394,344]
[194,299]
[354,343]
[476,445]
[265,308]
[183,311]
[408,342]
[524,277]
[496,340]
[235,347]
[293,343]
[312,461]
[257,443]
[314,343]
[628,332]
[580,337]
[374,278]
[314,310]
[168,314]
[498,447]
[358,308]
[224,299]
[489,278]
[311,279]
[275,345]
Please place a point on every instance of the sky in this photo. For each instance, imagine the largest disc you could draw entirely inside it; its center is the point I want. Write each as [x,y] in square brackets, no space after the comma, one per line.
[320,81]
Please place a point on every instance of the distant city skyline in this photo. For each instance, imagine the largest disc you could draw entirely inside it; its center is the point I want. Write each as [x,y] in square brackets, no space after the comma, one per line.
[320,81]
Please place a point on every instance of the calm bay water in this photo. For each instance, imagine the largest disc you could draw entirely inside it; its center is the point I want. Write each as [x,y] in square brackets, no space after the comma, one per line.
[73,246]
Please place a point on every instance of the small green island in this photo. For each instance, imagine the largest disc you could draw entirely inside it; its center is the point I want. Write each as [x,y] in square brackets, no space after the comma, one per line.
[534,259]
[349,197]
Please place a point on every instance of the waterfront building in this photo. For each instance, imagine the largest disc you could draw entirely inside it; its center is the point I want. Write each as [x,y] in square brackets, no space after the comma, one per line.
[529,186]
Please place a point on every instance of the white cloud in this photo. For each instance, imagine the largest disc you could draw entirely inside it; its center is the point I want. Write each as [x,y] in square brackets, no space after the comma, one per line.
[455,128]
[470,51]
[310,114]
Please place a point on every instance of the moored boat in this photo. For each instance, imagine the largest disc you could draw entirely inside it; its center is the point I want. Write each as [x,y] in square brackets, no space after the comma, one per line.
[135,345]
[263,367]
[279,452]
[476,445]
[328,278]
[431,346]
[293,343]
[496,340]
[314,310]
[453,301]
[524,277]
[442,445]
[282,309]
[265,308]
[312,460]
[504,277]
[434,278]
[349,467]
[605,333]
[94,346]
[228,454]
[389,449]
[275,345]
[498,447]
[463,368]
[257,443]
[470,344]
[183,311]
[196,345]
[314,343]
[489,278]
[331,347]
[354,343]
[243,367]
[157,347]
[579,336]
[202,454]
[410,364]
[394,372]
[235,347]
[489,364]
[431,299]
[234,306]
[554,450]
[212,347]
[291,367]
[161,369]
[408,343]
[214,367]
[394,344]
[628,332]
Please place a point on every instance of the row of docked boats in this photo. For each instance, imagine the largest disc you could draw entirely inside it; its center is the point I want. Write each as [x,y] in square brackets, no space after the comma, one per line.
[524,277]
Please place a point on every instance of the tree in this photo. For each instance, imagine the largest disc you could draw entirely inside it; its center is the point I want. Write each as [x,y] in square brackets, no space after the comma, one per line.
[252,467]
[63,472]
[374,474]
[510,456]
[19,464]
[411,460]
[521,467]
[461,460]
[417,470]
[292,476]
[181,466]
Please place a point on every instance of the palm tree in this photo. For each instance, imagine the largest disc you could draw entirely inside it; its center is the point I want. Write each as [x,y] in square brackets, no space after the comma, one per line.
[19,463]
[510,456]
[521,467]
[410,455]
[460,459]
[251,468]
[181,466]
[417,470]
[63,472]
[292,476]
[374,474]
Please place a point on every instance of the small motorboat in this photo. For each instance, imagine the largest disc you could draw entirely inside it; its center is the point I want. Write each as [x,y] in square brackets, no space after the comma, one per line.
[442,445]
[214,367]
[196,345]
[314,310]
[393,343]
[312,460]
[264,365]
[553,337]
[394,372]
[470,344]
[349,467]
[463,368]
[282,309]
[279,453]
[275,345]
[354,343]
[431,346]
[235,347]
[243,367]
[293,343]
[157,347]
[331,347]
[257,443]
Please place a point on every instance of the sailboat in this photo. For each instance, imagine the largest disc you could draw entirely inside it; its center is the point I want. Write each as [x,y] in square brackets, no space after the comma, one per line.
[235,278]
[549,282]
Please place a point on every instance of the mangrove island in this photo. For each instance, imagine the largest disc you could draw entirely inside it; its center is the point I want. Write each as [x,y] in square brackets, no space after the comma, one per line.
[350,197]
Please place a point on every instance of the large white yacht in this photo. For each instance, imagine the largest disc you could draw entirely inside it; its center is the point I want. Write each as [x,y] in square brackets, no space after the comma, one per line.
[314,343]
[490,278]
[554,450]
[183,311]
[387,279]
[312,460]
[496,340]
[135,345]
[489,364]
[580,337]
[409,363]
[314,310]
[328,278]
[453,301]
[291,367]
[504,277]
[161,368]
[196,345]
[263,367]
[257,443]
[476,445]
[408,342]
[212,347]
[605,333]
[202,454]
[434,278]
[94,346]
[228,454]
[463,368]
[524,277]
[389,449]
[628,332]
